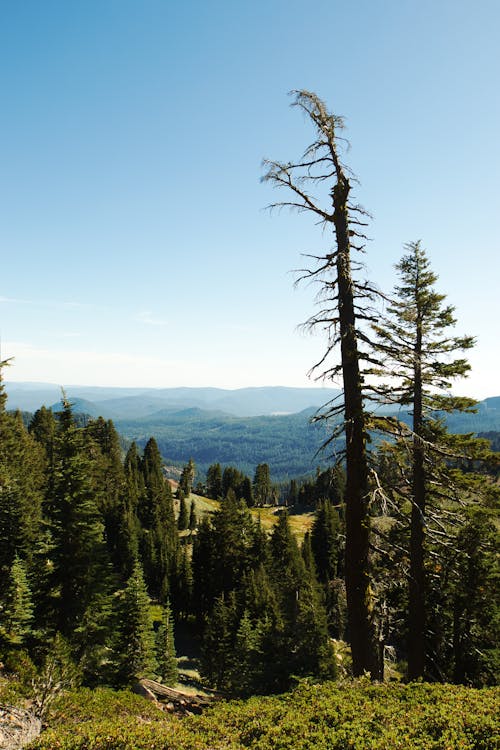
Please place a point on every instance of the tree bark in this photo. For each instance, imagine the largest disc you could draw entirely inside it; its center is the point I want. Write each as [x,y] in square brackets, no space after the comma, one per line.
[359,598]
[416,615]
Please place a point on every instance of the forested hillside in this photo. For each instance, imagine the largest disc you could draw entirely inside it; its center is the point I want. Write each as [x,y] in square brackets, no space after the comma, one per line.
[90,537]
[290,443]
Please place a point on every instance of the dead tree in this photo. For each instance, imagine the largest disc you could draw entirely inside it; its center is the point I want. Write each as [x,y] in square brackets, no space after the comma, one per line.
[344,305]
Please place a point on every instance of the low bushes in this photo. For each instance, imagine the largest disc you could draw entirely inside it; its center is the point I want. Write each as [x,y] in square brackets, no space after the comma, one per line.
[328,716]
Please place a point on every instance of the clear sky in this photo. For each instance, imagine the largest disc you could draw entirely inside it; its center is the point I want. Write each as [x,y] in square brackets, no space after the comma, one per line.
[135,245]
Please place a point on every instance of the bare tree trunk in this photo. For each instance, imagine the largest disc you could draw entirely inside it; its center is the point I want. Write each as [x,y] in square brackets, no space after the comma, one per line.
[321,163]
[416,615]
[359,604]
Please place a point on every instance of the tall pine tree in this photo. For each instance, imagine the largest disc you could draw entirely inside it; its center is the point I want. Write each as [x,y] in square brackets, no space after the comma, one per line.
[419,365]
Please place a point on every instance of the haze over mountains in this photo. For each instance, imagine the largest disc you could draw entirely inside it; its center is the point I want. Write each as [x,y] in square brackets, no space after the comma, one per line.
[241,427]
[137,403]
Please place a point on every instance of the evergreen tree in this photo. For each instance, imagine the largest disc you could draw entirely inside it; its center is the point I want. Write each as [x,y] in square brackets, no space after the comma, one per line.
[80,572]
[218,657]
[43,428]
[246,492]
[114,504]
[183,519]
[302,647]
[182,586]
[259,546]
[135,480]
[258,596]
[187,478]
[419,367]
[232,529]
[128,524]
[160,544]
[475,602]
[325,541]
[21,482]
[205,586]
[293,494]
[16,609]
[135,641]
[192,516]
[214,481]
[307,554]
[262,484]
[232,479]
[165,648]
[154,497]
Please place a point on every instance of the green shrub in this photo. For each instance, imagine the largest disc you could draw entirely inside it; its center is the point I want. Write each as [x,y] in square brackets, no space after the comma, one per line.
[328,716]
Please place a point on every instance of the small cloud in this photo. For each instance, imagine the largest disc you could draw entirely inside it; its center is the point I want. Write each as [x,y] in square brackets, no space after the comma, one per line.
[57,304]
[147,317]
[12,300]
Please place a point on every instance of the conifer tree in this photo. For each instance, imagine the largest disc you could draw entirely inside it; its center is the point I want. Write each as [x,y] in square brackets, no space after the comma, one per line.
[246,675]
[419,364]
[135,479]
[187,478]
[16,609]
[246,492]
[259,599]
[325,541]
[193,521]
[302,647]
[160,544]
[214,481]
[183,519]
[475,601]
[218,658]
[165,648]
[232,479]
[182,586]
[43,428]
[293,493]
[154,497]
[135,641]
[307,554]
[21,482]
[262,484]
[80,571]
[205,588]
[104,443]
[232,529]
[286,560]
[128,527]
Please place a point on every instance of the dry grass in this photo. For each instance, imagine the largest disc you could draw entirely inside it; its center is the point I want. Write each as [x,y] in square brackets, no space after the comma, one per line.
[301,518]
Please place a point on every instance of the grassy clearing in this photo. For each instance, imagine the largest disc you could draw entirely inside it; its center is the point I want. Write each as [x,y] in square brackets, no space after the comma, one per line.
[301,519]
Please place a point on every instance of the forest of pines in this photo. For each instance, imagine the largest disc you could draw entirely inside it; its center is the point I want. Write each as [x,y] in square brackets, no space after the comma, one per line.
[102,567]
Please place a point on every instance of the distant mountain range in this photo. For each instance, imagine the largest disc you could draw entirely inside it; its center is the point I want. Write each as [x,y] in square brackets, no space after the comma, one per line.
[242,428]
[137,403]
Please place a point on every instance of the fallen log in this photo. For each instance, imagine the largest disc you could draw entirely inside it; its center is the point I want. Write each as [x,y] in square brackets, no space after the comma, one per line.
[175,700]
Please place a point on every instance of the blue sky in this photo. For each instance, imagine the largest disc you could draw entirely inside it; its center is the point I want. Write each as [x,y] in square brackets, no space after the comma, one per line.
[135,245]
